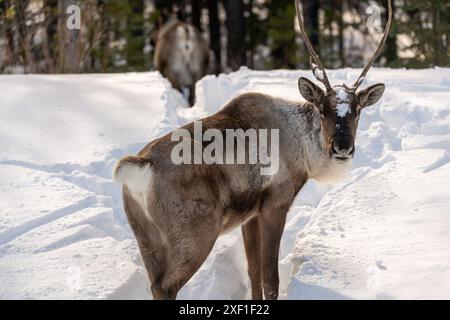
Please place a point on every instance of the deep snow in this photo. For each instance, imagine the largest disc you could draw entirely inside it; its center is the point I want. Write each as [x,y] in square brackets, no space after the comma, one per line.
[383,232]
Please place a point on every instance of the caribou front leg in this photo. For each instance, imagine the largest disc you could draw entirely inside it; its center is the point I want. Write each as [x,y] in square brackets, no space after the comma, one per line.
[272,225]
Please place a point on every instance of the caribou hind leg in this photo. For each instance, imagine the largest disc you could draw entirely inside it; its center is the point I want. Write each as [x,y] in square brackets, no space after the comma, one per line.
[150,242]
[171,255]
[190,222]
[188,248]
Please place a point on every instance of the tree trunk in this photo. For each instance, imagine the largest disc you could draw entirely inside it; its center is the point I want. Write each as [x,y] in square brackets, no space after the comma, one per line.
[236,33]
[164,8]
[311,16]
[341,34]
[135,41]
[11,54]
[180,8]
[196,13]
[24,37]
[391,42]
[214,34]
[69,43]
[105,28]
[50,49]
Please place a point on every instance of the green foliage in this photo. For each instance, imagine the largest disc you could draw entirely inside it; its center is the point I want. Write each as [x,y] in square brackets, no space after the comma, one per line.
[117,34]
[136,58]
[257,31]
[282,34]
[428,25]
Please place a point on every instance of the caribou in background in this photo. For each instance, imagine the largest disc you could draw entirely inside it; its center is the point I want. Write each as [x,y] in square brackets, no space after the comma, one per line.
[182,56]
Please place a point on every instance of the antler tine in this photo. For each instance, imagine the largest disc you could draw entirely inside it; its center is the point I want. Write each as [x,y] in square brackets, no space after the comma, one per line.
[379,49]
[316,64]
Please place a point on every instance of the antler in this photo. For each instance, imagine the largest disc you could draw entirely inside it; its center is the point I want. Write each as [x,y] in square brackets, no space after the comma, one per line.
[316,64]
[379,49]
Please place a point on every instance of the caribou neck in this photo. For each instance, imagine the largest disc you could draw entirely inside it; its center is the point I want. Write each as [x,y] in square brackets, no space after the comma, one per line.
[312,150]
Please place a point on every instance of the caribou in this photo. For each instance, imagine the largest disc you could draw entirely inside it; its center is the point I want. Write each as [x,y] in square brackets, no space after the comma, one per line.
[182,56]
[177,211]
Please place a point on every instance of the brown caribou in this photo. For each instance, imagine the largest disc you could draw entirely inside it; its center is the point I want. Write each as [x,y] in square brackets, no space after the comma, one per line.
[178,210]
[182,56]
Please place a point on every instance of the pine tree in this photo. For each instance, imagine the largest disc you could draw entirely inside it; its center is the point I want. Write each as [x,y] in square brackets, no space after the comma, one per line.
[236,53]
[390,53]
[135,36]
[214,34]
[281,33]
[427,24]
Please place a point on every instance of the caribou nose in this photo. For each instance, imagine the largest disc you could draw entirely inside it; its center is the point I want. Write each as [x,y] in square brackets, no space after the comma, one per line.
[343,146]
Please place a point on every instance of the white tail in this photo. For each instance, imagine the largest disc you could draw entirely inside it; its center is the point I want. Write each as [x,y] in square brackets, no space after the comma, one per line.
[134,172]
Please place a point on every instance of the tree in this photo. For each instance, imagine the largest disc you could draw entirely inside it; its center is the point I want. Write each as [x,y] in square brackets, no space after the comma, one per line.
[116,34]
[311,17]
[8,34]
[235,23]
[214,34]
[135,36]
[51,34]
[196,13]
[341,36]
[69,40]
[164,8]
[282,36]
[425,23]
[391,42]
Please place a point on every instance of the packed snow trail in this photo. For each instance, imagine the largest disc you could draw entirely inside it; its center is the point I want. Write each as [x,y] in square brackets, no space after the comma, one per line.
[380,233]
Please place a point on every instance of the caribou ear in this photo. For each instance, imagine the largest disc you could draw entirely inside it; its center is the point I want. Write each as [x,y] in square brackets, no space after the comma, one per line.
[371,95]
[311,92]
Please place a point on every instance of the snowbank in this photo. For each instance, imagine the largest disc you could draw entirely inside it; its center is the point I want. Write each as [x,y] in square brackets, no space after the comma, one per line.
[381,233]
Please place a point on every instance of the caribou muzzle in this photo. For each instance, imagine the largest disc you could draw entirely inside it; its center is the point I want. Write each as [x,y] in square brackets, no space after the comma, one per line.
[343,147]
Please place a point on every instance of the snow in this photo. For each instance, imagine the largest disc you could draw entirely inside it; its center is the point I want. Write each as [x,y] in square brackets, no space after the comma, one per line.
[342,109]
[319,74]
[381,233]
[341,94]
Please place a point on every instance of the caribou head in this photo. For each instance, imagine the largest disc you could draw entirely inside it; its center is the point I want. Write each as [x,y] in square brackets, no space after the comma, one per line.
[339,106]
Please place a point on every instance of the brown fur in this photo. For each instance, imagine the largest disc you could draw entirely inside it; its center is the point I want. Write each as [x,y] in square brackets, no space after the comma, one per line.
[183,209]
[177,212]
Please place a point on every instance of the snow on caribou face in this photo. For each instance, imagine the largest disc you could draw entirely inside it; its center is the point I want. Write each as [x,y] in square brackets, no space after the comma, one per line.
[341,94]
[343,107]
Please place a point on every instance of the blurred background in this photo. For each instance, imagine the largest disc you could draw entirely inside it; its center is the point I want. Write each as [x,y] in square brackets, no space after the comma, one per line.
[119,36]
